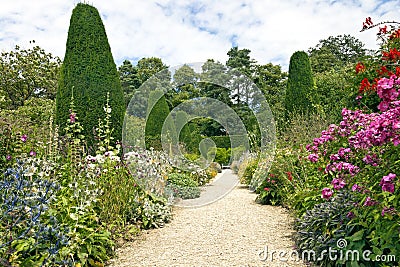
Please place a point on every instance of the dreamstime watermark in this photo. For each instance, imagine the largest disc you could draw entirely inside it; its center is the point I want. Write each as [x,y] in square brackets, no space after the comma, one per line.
[332,254]
[227,85]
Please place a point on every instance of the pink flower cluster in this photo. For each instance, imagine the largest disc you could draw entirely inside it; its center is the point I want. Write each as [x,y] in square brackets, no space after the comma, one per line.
[342,167]
[313,157]
[327,193]
[386,90]
[370,202]
[387,183]
[343,153]
[338,183]
[371,160]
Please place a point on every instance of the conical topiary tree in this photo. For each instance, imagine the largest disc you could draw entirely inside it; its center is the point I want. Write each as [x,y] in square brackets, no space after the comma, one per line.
[300,84]
[157,116]
[89,73]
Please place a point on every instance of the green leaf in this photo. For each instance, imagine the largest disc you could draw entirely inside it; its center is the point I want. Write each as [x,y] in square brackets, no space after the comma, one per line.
[357,236]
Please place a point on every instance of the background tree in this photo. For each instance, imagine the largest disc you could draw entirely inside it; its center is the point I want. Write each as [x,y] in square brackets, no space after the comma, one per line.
[147,67]
[184,85]
[27,73]
[136,76]
[240,62]
[336,52]
[300,84]
[89,73]
[129,80]
[214,84]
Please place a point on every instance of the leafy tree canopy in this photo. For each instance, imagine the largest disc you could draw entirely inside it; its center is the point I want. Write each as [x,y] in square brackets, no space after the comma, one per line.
[336,52]
[27,73]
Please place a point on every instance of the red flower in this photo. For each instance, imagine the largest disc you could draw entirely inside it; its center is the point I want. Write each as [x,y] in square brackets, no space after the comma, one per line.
[393,55]
[395,34]
[266,189]
[397,71]
[289,175]
[365,85]
[383,70]
[360,67]
[383,30]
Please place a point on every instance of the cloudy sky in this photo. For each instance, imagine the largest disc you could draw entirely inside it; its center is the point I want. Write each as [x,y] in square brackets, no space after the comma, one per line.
[193,31]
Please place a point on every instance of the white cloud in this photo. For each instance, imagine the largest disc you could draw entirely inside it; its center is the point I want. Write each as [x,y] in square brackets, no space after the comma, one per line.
[191,31]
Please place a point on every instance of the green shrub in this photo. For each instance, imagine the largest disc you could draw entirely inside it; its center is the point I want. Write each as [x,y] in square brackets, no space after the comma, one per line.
[182,186]
[246,169]
[201,176]
[323,228]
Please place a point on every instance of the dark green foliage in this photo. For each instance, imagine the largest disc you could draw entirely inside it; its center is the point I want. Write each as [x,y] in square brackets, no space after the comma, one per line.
[185,86]
[320,228]
[89,73]
[156,117]
[336,52]
[215,72]
[129,80]
[300,83]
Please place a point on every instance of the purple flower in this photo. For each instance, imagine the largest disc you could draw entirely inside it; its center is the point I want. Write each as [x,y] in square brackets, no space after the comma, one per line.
[334,157]
[338,183]
[72,117]
[388,187]
[32,153]
[388,178]
[350,215]
[313,157]
[24,138]
[369,202]
[387,182]
[326,193]
[8,157]
[356,187]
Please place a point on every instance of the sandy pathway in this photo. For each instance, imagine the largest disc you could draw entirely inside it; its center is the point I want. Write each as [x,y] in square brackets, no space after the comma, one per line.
[232,231]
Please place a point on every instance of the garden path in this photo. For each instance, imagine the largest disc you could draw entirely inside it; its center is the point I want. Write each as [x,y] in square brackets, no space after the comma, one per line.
[233,231]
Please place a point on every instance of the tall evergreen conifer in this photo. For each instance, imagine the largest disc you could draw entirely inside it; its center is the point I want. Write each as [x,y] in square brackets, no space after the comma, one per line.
[89,72]
[300,84]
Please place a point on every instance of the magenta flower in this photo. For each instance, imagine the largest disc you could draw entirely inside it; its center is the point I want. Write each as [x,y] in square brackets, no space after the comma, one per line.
[72,117]
[350,215]
[356,187]
[334,157]
[32,153]
[387,182]
[24,138]
[369,202]
[8,157]
[338,183]
[388,187]
[313,157]
[388,178]
[326,193]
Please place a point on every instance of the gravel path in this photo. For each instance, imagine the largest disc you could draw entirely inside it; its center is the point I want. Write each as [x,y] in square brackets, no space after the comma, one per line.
[233,231]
